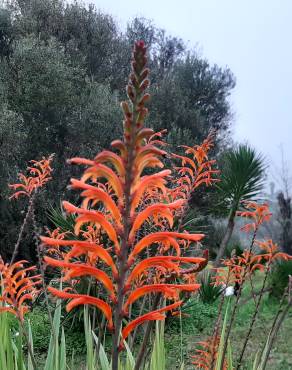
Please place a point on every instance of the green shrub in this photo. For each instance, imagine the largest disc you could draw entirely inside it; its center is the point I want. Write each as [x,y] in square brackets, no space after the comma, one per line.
[41,329]
[208,292]
[234,248]
[197,316]
[278,279]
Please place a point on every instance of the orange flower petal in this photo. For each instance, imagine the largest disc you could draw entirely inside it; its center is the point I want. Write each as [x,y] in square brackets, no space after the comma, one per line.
[82,299]
[83,247]
[163,288]
[91,216]
[82,270]
[153,315]
[97,194]
[159,208]
[160,237]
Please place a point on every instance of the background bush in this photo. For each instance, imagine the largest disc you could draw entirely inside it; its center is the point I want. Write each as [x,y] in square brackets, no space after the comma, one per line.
[278,279]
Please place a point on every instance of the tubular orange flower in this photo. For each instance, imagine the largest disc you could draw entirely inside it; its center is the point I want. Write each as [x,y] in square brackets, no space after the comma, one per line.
[102,171]
[154,315]
[162,236]
[196,171]
[39,175]
[109,157]
[81,299]
[83,247]
[17,287]
[95,195]
[94,217]
[170,290]
[157,180]
[77,270]
[164,210]
[168,262]
[272,251]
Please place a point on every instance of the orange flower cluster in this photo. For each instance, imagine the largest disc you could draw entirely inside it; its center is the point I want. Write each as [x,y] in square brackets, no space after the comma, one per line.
[195,171]
[39,173]
[121,217]
[260,213]
[241,267]
[18,285]
[270,251]
[206,356]
[238,268]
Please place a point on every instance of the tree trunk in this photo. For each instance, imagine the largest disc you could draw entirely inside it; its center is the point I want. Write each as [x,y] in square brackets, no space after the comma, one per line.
[285,222]
[227,236]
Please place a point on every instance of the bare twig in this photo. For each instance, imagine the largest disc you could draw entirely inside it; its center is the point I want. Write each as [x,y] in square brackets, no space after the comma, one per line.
[22,228]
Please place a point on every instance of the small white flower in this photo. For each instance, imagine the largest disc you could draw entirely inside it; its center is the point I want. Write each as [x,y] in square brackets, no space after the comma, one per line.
[229,291]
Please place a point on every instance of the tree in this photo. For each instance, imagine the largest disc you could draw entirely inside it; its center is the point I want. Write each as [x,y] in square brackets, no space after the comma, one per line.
[242,179]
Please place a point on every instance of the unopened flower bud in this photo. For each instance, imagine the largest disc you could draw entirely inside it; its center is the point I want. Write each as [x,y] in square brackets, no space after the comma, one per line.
[144,73]
[145,83]
[145,98]
[130,92]
[126,109]
[134,80]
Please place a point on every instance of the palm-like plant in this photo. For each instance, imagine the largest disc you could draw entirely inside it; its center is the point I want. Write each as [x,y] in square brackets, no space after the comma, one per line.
[242,179]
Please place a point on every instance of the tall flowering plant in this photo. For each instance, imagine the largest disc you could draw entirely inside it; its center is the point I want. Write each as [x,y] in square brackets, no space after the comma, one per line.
[19,285]
[236,271]
[38,175]
[118,181]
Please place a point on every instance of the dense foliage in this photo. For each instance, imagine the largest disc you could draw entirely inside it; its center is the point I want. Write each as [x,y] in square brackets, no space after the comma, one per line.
[62,69]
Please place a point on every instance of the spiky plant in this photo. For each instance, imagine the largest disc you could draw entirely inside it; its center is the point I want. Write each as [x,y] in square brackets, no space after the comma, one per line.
[242,179]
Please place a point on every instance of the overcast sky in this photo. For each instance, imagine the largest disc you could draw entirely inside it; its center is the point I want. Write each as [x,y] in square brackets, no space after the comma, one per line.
[252,38]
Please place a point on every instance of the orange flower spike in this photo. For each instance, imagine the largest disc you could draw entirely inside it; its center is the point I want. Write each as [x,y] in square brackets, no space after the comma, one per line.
[198,170]
[272,250]
[207,354]
[38,175]
[260,213]
[17,287]
[131,198]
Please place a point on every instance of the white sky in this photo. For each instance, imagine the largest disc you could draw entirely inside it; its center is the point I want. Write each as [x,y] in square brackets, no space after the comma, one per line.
[253,38]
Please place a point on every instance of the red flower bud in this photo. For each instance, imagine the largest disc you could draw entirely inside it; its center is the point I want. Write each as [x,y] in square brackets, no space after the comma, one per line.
[145,98]
[144,73]
[130,92]
[126,109]
[145,83]
[134,80]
